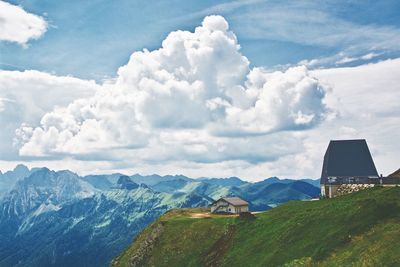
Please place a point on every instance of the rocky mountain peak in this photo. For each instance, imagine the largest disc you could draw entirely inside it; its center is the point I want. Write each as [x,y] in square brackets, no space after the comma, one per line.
[21,168]
[125,182]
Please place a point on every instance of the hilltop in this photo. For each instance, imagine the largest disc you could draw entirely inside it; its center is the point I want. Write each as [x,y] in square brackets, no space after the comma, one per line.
[359,229]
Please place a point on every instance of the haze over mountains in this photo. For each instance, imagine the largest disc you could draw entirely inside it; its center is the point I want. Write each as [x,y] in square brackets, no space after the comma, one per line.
[60,218]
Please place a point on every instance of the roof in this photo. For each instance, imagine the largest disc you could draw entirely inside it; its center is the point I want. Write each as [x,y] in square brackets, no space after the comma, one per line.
[235,201]
[395,174]
[348,158]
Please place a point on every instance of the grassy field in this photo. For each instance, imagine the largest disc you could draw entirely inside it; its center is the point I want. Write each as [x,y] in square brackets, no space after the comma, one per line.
[360,229]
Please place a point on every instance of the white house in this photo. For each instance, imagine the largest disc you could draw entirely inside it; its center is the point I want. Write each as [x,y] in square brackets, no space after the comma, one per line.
[232,205]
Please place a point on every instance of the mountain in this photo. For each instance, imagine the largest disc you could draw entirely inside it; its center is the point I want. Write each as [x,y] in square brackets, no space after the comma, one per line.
[272,180]
[265,194]
[124,182]
[314,182]
[10,178]
[103,181]
[359,229]
[58,218]
[231,181]
[154,179]
[261,195]
[170,186]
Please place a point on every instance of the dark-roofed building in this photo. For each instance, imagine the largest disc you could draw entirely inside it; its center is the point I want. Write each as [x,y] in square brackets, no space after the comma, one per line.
[348,166]
[395,174]
[234,205]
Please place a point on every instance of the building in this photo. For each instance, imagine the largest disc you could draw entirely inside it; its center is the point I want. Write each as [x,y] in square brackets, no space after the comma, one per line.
[348,166]
[395,174]
[234,205]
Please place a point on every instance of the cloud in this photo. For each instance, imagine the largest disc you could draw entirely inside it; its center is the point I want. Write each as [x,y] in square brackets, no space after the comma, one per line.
[316,24]
[19,26]
[28,95]
[342,59]
[195,98]
[366,101]
[366,98]
[223,8]
[320,25]
[291,100]
[273,25]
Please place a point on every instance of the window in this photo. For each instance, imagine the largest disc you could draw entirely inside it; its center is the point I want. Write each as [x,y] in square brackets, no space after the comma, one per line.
[332,179]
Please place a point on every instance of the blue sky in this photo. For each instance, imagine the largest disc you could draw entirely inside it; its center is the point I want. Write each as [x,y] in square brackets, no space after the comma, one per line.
[91,39]
[203,88]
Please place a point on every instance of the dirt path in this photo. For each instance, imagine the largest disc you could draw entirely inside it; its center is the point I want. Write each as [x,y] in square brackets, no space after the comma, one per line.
[209,215]
[200,215]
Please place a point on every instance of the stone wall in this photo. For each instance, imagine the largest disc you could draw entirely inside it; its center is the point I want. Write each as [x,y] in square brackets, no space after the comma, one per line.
[350,188]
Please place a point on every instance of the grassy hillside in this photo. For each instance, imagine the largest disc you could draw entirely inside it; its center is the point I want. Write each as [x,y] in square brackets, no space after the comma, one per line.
[361,229]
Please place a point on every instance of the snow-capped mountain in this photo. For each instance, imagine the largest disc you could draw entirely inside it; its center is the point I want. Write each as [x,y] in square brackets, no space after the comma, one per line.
[58,218]
[10,178]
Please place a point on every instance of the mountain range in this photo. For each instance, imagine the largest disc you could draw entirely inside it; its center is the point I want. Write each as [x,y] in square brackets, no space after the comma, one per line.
[58,218]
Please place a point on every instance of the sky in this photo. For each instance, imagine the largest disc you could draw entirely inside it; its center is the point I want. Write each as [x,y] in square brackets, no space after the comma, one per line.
[202,88]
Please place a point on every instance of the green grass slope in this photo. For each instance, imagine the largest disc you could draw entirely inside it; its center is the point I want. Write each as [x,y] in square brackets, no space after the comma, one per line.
[360,229]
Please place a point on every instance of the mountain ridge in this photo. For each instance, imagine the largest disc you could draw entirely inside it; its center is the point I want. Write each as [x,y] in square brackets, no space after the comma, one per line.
[58,218]
[358,229]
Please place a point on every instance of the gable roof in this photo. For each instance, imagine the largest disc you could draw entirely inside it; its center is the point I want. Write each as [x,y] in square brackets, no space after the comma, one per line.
[395,174]
[348,158]
[235,201]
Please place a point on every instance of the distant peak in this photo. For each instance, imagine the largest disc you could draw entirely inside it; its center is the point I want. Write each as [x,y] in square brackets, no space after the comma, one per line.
[66,172]
[125,182]
[43,169]
[21,167]
[273,178]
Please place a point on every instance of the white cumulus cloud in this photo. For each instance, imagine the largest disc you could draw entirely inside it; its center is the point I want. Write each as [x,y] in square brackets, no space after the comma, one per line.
[26,96]
[196,98]
[19,26]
